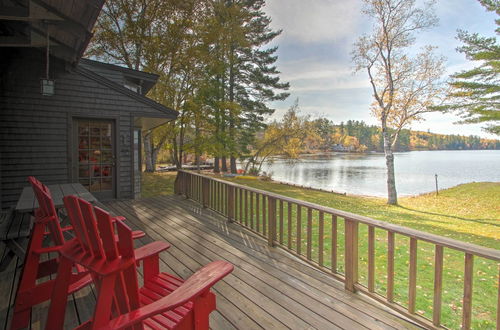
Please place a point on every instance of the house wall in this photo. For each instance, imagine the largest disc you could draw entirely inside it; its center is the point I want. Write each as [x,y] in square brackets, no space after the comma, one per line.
[35,130]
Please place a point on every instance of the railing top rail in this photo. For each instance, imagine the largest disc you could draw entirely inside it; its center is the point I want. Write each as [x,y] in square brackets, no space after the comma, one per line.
[474,249]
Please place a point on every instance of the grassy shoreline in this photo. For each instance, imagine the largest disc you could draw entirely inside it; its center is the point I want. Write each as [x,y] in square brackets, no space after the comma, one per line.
[468,212]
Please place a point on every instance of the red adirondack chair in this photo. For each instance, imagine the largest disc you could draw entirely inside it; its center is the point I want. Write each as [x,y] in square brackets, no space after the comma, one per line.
[46,226]
[164,301]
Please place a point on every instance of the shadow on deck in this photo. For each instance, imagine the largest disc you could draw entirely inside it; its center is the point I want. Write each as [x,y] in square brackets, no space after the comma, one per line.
[268,289]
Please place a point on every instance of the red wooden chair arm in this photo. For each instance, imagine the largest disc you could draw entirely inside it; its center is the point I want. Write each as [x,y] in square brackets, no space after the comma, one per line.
[150,249]
[195,286]
[136,233]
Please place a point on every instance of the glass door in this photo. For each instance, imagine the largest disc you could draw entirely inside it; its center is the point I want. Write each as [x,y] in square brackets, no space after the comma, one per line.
[95,157]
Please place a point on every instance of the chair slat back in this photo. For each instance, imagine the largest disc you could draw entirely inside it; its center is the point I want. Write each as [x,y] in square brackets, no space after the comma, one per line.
[94,229]
[46,210]
[90,226]
[76,218]
[105,227]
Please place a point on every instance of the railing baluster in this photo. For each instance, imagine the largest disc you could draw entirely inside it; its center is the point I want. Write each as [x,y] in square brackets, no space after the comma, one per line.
[219,199]
[264,215]
[390,266]
[246,207]
[205,186]
[200,189]
[241,205]
[281,222]
[412,283]
[289,241]
[214,199]
[498,302]
[371,258]
[468,277]
[251,210]
[351,254]
[309,233]
[272,220]
[321,233]
[299,230]
[230,202]
[257,212]
[333,255]
[438,285]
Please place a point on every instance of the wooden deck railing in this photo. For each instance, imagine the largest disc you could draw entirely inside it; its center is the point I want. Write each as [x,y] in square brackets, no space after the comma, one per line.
[331,240]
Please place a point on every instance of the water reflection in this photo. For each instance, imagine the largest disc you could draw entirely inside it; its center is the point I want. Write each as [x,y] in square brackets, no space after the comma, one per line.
[366,174]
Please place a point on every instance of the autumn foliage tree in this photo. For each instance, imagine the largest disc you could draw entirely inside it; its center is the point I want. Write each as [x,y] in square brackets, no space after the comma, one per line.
[281,138]
[404,87]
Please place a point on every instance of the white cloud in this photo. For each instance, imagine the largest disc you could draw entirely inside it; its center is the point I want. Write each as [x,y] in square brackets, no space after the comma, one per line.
[315,20]
[314,56]
[309,75]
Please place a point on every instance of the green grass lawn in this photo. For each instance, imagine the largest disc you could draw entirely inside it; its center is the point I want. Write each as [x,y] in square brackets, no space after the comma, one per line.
[469,212]
[157,184]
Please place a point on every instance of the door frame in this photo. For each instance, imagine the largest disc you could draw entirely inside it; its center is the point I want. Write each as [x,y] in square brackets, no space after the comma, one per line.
[73,150]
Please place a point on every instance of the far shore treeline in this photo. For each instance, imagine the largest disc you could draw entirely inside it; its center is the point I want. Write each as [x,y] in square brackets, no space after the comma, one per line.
[357,136]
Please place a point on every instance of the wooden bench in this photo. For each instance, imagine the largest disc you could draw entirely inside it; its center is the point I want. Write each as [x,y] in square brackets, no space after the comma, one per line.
[15,229]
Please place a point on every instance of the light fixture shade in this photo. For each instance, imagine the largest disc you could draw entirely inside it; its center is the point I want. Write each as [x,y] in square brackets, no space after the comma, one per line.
[48,87]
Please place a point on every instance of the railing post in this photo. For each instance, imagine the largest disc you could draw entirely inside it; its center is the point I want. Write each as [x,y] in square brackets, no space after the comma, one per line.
[230,203]
[271,217]
[205,185]
[177,181]
[186,184]
[351,254]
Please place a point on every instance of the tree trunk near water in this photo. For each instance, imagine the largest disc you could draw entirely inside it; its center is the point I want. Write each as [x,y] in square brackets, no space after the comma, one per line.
[216,165]
[224,164]
[392,197]
[233,165]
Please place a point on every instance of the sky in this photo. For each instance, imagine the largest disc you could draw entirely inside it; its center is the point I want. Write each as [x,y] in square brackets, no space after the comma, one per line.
[314,55]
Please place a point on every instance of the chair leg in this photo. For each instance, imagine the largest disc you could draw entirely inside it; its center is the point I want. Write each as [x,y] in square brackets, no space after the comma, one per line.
[203,306]
[58,300]
[27,281]
[102,313]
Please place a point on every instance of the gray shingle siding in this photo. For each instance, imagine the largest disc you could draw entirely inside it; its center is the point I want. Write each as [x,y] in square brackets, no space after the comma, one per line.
[35,131]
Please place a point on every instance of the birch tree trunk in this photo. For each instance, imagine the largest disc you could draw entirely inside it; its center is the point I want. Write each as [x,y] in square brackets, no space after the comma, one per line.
[392,197]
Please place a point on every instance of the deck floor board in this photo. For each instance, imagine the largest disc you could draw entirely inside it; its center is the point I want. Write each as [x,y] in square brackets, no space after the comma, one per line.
[269,288]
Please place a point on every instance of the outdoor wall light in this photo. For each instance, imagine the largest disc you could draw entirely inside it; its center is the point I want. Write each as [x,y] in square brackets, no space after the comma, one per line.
[48,87]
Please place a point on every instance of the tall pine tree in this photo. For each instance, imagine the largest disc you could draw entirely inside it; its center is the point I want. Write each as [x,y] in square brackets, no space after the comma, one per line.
[246,73]
[475,92]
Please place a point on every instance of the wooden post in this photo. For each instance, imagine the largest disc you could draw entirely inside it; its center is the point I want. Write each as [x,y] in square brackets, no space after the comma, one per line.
[230,203]
[177,190]
[467,305]
[271,220]
[438,285]
[205,193]
[390,266]
[412,285]
[437,190]
[371,258]
[186,181]
[351,254]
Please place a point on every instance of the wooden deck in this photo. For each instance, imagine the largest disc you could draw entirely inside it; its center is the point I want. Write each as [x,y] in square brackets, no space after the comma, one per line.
[268,289]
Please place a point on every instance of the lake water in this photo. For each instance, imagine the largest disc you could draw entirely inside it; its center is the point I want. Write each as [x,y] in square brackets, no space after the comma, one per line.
[365,174]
